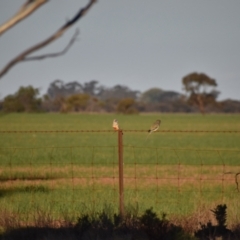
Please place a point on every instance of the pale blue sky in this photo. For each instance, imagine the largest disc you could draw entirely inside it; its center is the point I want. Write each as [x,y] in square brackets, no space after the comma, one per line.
[137,43]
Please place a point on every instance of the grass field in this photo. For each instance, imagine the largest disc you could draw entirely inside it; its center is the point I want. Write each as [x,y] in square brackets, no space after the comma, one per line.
[75,172]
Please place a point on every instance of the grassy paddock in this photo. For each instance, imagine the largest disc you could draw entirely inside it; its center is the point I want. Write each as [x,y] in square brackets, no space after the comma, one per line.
[76,172]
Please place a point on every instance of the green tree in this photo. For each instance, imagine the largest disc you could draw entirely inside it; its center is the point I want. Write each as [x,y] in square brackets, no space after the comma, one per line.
[11,104]
[152,95]
[156,95]
[77,102]
[126,106]
[24,100]
[116,92]
[197,85]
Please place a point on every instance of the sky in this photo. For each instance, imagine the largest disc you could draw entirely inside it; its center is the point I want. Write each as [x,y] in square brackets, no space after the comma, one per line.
[140,44]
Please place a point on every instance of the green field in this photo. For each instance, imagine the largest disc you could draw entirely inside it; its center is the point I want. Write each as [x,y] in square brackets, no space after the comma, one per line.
[67,164]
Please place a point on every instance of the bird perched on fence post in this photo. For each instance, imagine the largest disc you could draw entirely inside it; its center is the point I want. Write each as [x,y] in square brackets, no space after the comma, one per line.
[154,127]
[115,125]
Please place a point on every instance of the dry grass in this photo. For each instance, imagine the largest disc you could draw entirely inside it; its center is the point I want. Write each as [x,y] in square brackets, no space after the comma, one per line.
[143,176]
[146,185]
[183,179]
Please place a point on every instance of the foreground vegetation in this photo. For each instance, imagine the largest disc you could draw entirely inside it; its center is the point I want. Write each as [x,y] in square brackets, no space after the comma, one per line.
[52,167]
[105,225]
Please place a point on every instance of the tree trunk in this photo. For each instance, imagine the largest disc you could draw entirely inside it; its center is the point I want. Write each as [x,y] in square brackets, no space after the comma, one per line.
[200,104]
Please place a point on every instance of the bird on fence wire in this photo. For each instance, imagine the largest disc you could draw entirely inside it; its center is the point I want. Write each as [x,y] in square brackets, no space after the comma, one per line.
[115,125]
[154,127]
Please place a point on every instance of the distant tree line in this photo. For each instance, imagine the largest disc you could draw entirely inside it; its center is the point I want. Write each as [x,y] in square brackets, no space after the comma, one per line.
[201,95]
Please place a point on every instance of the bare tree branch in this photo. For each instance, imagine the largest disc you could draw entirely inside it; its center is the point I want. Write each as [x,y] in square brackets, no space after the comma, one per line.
[236,180]
[27,8]
[51,55]
[55,36]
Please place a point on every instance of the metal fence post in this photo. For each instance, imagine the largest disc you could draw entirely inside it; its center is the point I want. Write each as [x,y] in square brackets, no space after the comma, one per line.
[120,169]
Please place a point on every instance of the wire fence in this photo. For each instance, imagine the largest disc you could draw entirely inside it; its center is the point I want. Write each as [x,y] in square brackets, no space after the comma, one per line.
[77,171]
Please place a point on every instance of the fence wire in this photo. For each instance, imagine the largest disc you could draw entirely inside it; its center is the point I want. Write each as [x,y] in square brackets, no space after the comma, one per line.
[108,131]
[77,171]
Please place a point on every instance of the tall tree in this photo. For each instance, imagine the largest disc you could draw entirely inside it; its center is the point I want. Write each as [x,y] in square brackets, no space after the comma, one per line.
[117,92]
[156,95]
[25,99]
[58,88]
[200,89]
[90,87]
[127,106]
[152,95]
[77,102]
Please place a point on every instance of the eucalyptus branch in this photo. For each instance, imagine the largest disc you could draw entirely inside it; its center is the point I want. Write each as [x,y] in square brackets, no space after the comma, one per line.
[51,55]
[23,56]
[27,9]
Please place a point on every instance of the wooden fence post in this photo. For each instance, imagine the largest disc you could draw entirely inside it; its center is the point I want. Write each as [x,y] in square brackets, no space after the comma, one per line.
[120,169]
